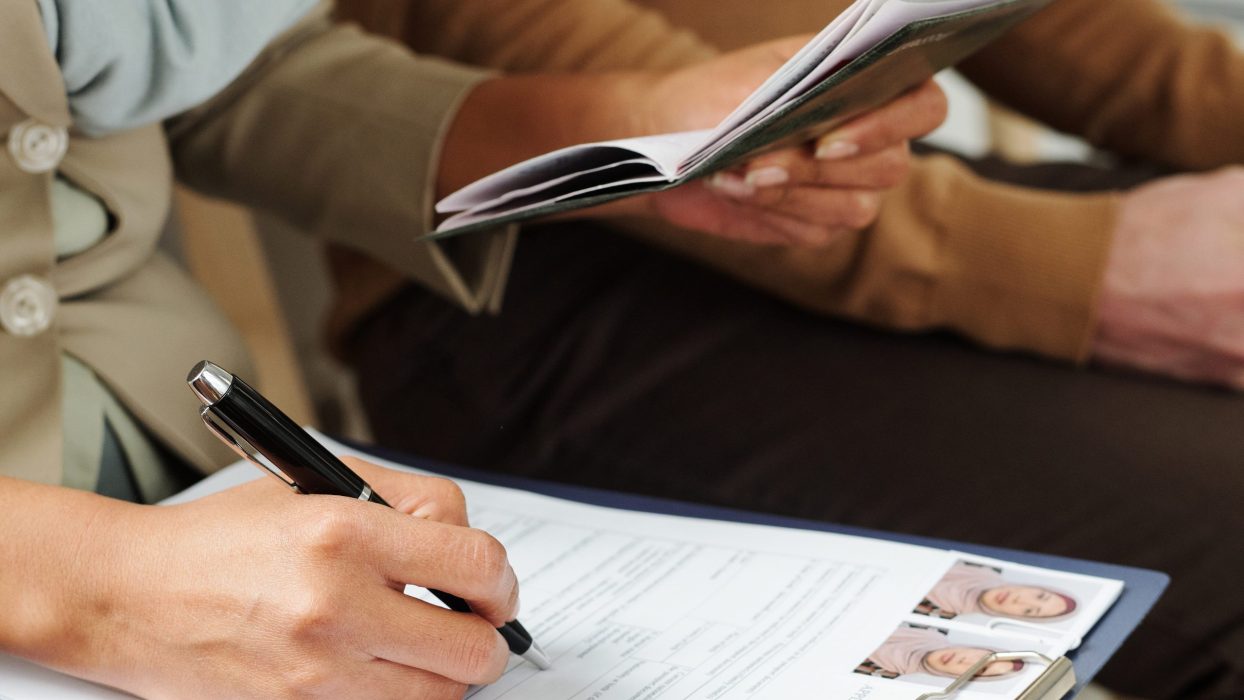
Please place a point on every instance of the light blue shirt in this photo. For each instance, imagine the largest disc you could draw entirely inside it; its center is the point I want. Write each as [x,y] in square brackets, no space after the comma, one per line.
[129,63]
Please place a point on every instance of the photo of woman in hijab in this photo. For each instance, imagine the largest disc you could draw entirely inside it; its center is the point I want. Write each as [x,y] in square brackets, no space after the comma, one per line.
[913,650]
[973,588]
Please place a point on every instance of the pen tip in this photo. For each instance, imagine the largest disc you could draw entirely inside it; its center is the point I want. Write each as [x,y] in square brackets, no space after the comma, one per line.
[537,656]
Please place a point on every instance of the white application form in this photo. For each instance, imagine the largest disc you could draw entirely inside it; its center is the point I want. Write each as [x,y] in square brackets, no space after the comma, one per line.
[631,606]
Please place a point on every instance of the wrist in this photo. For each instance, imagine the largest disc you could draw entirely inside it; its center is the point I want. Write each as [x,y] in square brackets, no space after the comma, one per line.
[59,547]
[82,628]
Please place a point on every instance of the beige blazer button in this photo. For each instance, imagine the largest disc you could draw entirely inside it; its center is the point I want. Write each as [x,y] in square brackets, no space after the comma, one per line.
[27,306]
[37,147]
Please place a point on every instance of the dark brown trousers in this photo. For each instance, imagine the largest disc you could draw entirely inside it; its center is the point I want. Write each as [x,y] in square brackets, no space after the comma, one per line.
[620,367]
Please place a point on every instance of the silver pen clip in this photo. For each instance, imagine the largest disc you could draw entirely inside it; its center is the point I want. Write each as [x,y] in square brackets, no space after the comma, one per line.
[244,449]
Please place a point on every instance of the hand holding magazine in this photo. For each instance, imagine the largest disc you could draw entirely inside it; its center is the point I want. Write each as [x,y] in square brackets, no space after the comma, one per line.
[873,52]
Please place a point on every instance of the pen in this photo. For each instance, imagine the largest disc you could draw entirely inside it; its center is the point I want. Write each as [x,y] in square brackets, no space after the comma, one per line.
[260,433]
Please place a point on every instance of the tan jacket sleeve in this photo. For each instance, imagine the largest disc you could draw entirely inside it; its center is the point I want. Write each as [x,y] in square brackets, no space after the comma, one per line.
[1131,76]
[1009,267]
[339,132]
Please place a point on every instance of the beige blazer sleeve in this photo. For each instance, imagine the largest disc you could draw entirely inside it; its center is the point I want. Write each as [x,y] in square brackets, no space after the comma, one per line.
[339,132]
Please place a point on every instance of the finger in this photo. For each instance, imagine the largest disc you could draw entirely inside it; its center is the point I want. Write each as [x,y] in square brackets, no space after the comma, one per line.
[853,210]
[881,170]
[387,680]
[412,633]
[765,226]
[912,115]
[427,497]
[822,206]
[697,207]
[760,225]
[468,563]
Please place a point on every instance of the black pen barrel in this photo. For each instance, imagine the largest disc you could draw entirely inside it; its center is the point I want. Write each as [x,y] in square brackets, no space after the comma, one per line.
[516,636]
[288,446]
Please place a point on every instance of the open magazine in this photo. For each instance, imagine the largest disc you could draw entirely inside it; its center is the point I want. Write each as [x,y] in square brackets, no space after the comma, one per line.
[870,54]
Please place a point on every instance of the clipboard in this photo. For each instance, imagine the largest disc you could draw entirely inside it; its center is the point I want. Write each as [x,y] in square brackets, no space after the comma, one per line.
[1064,677]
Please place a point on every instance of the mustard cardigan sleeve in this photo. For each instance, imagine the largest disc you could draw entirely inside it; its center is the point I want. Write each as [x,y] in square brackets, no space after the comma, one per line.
[1007,267]
[1131,76]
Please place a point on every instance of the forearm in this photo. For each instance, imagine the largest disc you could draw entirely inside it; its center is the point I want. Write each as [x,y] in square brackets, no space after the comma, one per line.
[542,113]
[53,581]
[546,46]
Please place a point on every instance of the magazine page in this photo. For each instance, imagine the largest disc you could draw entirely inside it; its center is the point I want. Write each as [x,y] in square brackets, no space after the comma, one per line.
[661,154]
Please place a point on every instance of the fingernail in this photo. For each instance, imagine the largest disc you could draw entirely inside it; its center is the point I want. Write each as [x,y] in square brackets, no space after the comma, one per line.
[731,185]
[837,150]
[425,511]
[768,177]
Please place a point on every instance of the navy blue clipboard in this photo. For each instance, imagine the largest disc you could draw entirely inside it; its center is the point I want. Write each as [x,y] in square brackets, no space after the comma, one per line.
[1141,589]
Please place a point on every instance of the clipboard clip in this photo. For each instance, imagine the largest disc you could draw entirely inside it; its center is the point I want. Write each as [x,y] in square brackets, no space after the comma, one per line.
[1054,683]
